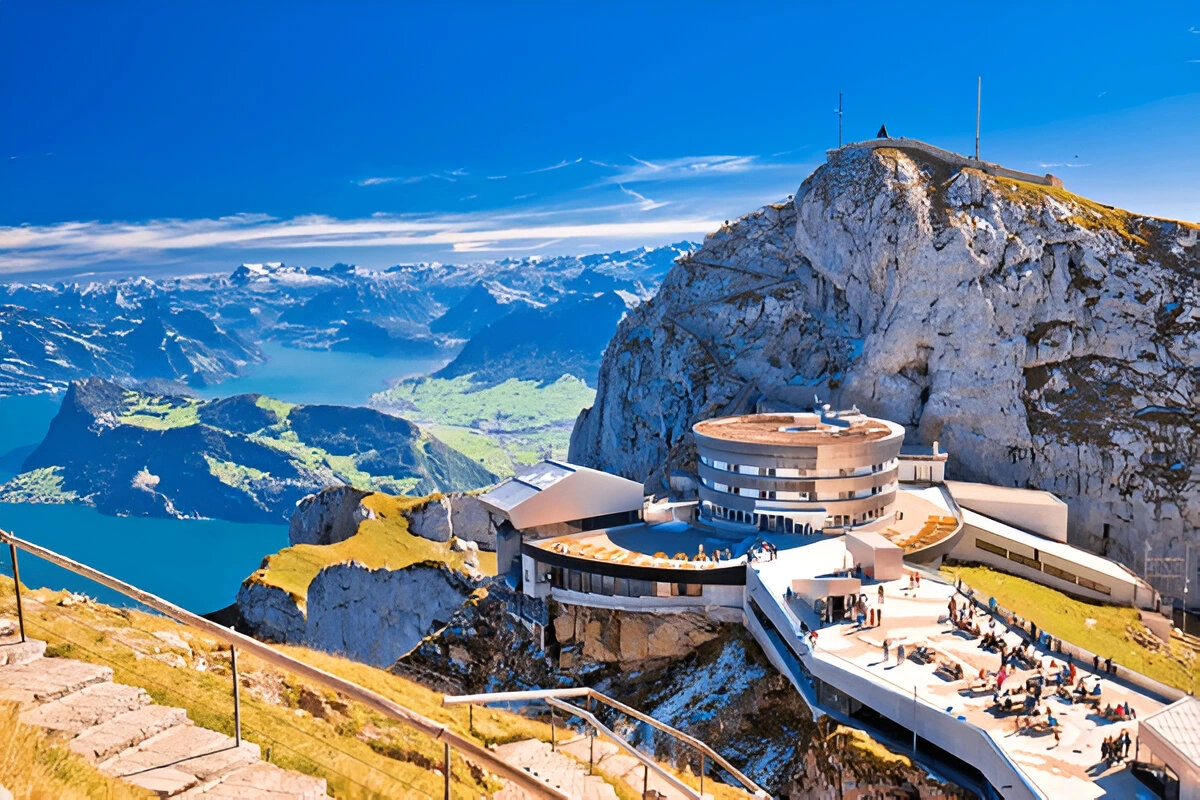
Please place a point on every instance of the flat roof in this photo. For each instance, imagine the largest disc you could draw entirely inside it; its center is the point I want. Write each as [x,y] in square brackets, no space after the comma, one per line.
[1062,550]
[964,492]
[530,480]
[797,429]
[1179,724]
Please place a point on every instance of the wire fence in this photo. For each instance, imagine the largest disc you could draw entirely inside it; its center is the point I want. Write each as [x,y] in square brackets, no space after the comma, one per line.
[67,634]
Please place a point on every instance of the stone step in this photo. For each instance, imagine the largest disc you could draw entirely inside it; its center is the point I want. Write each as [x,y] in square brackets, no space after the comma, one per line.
[126,730]
[16,652]
[91,705]
[47,679]
[262,780]
[179,759]
[555,769]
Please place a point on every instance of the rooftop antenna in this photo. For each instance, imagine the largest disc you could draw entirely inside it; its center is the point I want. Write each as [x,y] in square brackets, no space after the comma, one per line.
[978,106]
[839,113]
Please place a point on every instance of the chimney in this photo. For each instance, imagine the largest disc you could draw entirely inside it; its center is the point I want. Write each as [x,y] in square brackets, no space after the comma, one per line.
[935,447]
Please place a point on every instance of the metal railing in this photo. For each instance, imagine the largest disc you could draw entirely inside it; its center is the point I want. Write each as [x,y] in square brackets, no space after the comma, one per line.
[556,697]
[467,747]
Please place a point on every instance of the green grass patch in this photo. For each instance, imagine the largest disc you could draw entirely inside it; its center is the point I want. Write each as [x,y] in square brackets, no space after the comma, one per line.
[159,413]
[503,426]
[41,485]
[277,407]
[238,476]
[1102,629]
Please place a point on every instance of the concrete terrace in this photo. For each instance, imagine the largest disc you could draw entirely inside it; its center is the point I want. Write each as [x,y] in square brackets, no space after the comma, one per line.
[1070,768]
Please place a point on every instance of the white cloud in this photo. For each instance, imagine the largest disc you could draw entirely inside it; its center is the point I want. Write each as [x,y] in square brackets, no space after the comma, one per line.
[450,176]
[681,168]
[553,167]
[376,181]
[27,248]
[645,203]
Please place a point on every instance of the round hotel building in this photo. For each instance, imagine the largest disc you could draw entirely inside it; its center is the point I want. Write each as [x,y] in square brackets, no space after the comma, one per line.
[798,473]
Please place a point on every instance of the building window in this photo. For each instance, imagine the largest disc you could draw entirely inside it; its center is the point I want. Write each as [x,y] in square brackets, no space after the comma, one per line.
[991,548]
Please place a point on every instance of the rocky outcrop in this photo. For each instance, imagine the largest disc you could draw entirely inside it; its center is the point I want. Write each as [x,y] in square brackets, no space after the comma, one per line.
[630,639]
[454,515]
[1045,340]
[271,613]
[370,615]
[376,616]
[330,516]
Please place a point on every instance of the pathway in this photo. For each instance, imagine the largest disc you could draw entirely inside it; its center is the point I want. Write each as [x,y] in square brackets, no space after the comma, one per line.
[554,768]
[120,730]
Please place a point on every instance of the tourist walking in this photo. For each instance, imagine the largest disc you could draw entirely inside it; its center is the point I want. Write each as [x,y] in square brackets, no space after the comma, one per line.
[1096,663]
[881,594]
[1126,741]
[887,644]
[899,654]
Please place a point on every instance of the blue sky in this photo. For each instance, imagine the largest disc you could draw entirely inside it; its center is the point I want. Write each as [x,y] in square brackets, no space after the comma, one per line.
[167,137]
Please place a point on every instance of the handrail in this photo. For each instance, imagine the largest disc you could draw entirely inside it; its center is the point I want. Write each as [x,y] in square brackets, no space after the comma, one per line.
[375,701]
[584,691]
[649,763]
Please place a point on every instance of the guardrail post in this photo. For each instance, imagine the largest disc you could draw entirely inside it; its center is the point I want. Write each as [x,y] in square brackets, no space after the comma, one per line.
[237,697]
[702,773]
[471,718]
[645,779]
[446,773]
[553,737]
[591,752]
[12,551]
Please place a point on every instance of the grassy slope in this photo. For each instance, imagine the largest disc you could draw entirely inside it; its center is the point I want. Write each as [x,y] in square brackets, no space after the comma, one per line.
[502,426]
[398,763]
[381,542]
[34,764]
[1067,619]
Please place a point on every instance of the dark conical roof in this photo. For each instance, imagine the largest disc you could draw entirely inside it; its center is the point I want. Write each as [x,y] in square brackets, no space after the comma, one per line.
[883,134]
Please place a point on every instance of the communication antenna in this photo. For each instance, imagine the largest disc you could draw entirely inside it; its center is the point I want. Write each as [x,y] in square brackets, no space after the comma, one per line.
[839,115]
[978,106]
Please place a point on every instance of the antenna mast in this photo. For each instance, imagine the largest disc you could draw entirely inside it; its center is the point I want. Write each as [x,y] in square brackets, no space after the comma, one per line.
[978,106]
[839,113]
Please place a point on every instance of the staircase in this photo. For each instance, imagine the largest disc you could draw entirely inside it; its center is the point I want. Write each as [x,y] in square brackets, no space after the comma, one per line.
[614,761]
[120,730]
[552,767]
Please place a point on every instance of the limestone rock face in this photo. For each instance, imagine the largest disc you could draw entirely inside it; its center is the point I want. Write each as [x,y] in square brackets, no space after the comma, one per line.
[1044,340]
[454,515]
[270,613]
[329,516]
[373,616]
[628,638]
[376,616]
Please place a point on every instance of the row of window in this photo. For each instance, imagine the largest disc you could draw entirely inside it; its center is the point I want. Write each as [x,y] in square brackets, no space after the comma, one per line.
[773,494]
[577,581]
[1035,563]
[779,522]
[789,472]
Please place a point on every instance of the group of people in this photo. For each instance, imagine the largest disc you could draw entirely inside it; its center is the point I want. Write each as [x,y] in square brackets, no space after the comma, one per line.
[1116,748]
[715,556]
[762,551]
[1109,667]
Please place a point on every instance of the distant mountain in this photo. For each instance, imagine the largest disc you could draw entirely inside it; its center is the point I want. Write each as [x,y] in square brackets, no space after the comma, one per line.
[181,328]
[41,353]
[566,338]
[245,458]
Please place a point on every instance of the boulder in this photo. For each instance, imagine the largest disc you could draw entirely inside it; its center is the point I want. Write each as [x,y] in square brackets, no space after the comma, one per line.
[329,516]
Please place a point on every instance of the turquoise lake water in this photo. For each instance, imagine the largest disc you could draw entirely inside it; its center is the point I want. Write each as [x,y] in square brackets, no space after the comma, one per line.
[197,564]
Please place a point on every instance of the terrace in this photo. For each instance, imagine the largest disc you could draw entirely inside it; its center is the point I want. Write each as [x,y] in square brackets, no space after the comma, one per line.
[923,692]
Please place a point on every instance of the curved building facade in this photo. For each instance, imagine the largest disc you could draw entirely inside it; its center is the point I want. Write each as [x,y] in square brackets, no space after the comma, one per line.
[798,473]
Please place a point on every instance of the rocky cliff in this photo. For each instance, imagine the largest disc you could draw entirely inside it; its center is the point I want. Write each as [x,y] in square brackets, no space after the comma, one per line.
[1045,340]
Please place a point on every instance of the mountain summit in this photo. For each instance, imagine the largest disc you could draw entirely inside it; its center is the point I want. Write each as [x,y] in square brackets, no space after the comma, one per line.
[1043,339]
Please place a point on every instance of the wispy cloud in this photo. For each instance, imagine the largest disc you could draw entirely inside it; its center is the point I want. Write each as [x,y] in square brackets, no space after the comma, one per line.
[1067,164]
[27,248]
[450,176]
[644,203]
[553,167]
[688,167]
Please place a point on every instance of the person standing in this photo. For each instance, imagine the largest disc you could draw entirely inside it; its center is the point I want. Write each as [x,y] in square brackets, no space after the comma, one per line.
[887,645]
[899,654]
[881,594]
[1125,743]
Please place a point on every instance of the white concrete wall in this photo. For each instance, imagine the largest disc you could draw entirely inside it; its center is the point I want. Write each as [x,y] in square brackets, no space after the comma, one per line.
[1028,509]
[534,577]
[1164,752]
[1123,591]
[585,493]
